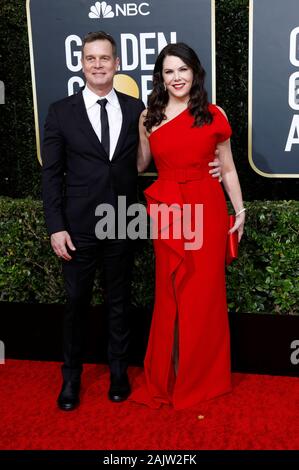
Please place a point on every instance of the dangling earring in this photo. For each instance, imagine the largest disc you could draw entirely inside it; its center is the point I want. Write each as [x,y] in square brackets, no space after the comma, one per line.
[165,89]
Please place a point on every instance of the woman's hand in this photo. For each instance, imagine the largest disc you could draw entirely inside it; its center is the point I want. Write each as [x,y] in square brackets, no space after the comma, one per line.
[239,225]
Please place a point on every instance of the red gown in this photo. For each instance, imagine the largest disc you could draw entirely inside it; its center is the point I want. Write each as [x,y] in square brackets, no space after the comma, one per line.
[190,284]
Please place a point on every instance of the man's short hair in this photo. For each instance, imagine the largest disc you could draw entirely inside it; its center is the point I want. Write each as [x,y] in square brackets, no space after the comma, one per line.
[100,36]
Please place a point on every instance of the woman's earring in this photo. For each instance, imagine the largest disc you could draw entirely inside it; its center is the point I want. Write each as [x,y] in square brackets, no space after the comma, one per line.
[165,89]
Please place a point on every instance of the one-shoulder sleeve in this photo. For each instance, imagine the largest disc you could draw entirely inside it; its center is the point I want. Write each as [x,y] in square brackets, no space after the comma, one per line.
[223,128]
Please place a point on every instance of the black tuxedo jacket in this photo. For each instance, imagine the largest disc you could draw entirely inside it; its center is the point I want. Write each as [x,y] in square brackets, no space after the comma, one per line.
[77,173]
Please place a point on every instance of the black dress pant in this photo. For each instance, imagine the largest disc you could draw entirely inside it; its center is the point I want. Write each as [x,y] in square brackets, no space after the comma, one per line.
[79,274]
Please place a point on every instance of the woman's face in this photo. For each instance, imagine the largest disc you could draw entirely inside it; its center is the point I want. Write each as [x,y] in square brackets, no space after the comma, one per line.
[177,76]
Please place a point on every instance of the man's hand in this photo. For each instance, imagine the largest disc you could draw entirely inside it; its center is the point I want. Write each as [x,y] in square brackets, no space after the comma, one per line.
[216,163]
[59,242]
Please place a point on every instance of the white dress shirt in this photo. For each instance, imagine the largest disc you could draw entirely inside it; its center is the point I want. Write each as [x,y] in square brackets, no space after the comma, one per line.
[114,115]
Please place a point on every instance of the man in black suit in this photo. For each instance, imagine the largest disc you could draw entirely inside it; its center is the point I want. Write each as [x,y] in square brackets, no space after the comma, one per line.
[89,157]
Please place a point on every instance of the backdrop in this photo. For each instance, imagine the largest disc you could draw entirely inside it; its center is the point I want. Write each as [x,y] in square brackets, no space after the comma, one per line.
[274,88]
[141,29]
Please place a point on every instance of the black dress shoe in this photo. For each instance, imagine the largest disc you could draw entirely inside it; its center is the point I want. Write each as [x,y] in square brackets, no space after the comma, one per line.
[69,397]
[119,389]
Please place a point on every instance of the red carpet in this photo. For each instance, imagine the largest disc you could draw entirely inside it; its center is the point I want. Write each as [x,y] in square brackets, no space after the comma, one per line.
[261,413]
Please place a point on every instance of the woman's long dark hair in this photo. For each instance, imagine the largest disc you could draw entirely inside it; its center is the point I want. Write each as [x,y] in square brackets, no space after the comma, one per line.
[158,99]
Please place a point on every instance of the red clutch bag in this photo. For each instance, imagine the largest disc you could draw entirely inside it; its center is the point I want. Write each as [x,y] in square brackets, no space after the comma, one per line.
[232,242]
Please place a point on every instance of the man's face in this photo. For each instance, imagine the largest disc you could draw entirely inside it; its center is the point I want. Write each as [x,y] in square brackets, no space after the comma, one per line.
[99,65]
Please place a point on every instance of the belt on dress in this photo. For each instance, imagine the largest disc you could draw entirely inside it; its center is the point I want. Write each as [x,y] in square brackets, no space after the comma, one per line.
[182,175]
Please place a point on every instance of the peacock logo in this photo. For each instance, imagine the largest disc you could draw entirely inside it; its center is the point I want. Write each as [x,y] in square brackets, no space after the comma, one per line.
[101,10]
[104,10]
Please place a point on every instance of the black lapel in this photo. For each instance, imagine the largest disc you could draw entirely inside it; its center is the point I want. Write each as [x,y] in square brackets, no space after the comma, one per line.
[125,123]
[85,124]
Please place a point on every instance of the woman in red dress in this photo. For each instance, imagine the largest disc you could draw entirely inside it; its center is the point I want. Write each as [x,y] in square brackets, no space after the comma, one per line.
[188,354]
